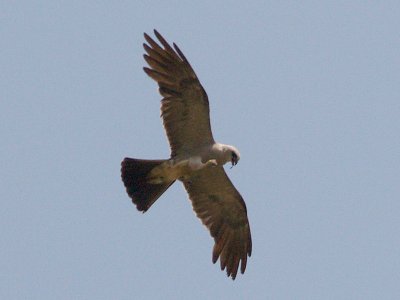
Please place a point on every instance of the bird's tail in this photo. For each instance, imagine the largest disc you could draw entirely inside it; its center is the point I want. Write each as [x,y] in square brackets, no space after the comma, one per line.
[143,190]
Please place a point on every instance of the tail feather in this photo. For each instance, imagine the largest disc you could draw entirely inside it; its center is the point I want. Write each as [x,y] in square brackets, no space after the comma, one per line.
[134,175]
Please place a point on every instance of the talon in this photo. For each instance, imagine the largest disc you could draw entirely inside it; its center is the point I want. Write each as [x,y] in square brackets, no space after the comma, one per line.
[212,163]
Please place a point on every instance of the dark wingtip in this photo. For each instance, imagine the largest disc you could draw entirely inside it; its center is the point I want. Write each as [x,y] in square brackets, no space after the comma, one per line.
[157,34]
[214,258]
[147,70]
[231,274]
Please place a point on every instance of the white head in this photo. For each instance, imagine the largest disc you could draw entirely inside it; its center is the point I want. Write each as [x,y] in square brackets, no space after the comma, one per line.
[231,154]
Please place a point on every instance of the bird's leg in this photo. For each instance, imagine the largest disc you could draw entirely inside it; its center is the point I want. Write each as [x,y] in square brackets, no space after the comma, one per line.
[193,164]
[196,163]
[211,163]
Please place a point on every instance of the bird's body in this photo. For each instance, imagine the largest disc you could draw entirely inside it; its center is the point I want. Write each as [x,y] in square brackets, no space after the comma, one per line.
[196,159]
[184,166]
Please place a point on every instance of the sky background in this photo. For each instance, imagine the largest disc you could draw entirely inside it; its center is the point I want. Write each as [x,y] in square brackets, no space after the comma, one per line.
[310,95]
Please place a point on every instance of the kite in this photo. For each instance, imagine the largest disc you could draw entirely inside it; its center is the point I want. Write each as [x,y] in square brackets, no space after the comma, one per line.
[196,158]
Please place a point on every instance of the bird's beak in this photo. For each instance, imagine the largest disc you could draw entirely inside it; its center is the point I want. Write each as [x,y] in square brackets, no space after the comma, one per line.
[234,161]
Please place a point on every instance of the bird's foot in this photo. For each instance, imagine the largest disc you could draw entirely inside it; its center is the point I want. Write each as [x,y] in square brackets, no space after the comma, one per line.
[212,163]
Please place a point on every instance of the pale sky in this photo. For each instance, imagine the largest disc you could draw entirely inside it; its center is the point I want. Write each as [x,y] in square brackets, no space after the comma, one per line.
[310,95]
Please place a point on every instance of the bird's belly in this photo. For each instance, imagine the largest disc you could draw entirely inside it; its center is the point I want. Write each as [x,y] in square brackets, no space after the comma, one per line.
[178,169]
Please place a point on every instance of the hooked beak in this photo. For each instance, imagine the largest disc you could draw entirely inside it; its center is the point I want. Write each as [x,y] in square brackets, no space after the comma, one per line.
[234,161]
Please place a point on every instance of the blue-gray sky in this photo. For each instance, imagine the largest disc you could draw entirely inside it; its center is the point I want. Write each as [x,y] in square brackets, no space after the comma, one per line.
[310,94]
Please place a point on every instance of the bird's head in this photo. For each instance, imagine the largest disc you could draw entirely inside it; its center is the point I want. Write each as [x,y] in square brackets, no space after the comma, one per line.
[232,154]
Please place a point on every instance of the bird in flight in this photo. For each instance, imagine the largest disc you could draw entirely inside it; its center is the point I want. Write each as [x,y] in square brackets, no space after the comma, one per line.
[196,158]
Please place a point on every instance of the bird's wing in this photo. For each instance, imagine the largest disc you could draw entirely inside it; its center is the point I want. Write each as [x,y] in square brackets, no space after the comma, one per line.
[184,107]
[221,208]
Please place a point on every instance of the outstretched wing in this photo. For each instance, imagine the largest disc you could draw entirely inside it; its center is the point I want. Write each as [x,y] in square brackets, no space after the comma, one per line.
[184,108]
[221,208]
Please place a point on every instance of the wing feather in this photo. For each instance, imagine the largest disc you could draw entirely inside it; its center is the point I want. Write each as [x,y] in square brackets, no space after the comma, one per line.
[184,108]
[222,209]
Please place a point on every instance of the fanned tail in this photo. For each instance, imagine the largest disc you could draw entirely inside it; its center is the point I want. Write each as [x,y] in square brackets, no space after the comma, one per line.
[134,174]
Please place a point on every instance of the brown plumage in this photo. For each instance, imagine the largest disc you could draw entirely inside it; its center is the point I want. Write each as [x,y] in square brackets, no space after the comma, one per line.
[184,107]
[196,159]
[134,175]
[221,208]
